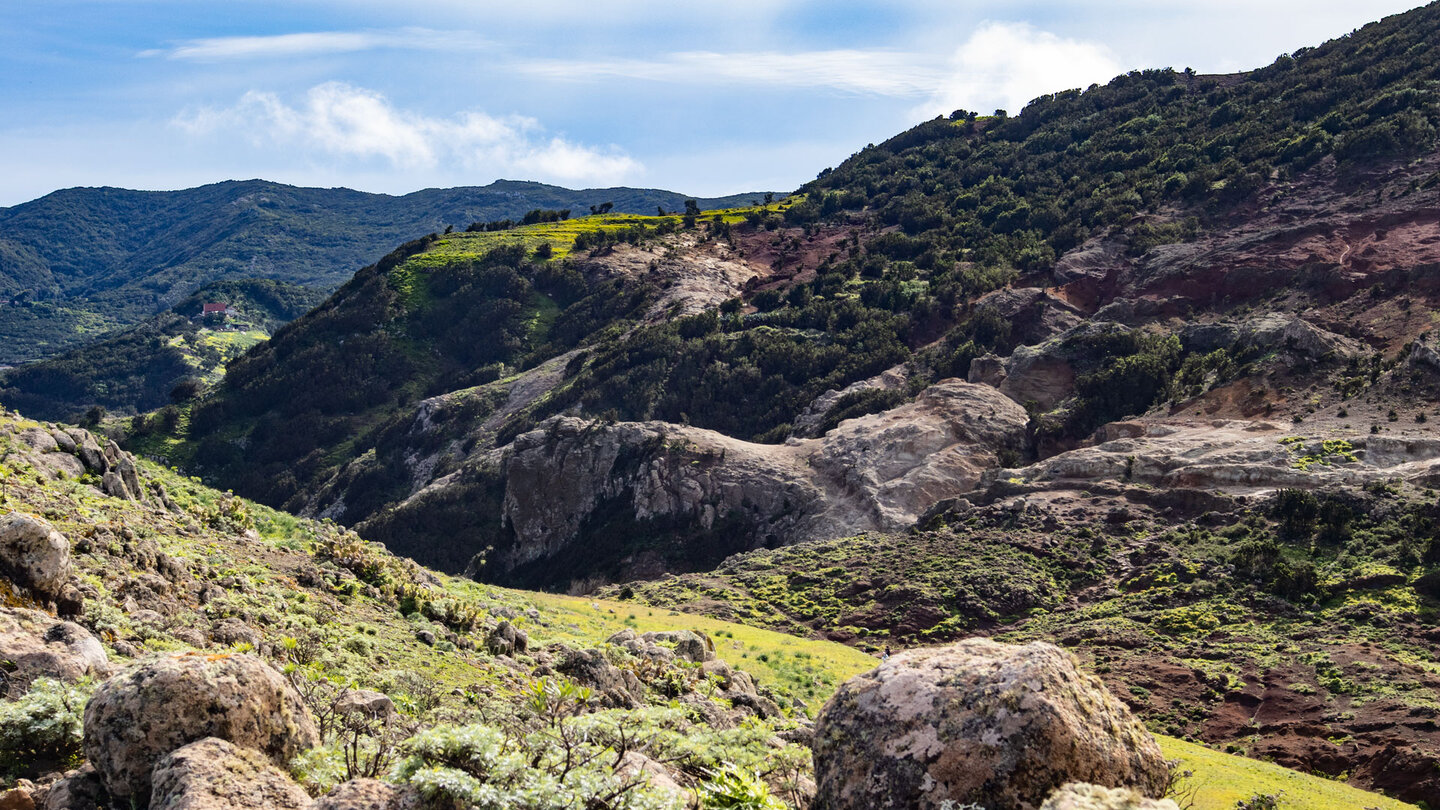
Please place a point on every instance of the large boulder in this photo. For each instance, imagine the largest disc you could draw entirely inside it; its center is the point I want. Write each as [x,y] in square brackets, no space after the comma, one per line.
[37,645]
[977,722]
[212,774]
[135,719]
[33,554]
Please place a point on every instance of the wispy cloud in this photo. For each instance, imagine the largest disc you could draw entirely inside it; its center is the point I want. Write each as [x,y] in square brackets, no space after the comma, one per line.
[1006,65]
[875,72]
[337,121]
[999,65]
[220,49]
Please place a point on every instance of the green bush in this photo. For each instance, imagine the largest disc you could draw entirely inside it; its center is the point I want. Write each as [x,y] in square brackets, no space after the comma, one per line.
[41,730]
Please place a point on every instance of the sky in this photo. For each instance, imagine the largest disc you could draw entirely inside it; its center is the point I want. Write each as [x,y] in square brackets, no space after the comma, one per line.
[702,98]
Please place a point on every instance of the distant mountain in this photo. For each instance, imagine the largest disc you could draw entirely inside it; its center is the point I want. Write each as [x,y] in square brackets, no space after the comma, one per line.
[83,261]
[137,368]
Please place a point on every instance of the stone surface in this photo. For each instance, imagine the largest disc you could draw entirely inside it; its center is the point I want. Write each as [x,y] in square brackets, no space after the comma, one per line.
[892,466]
[614,687]
[135,719]
[213,774]
[78,790]
[506,639]
[635,765]
[369,794]
[977,722]
[365,703]
[1085,796]
[39,646]
[34,554]
[17,799]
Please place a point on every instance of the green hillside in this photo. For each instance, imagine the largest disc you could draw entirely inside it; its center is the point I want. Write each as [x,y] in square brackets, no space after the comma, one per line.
[83,261]
[135,370]
[206,571]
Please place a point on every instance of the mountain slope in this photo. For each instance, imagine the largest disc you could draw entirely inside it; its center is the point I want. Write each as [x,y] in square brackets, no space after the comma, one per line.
[1088,344]
[1096,255]
[84,260]
[136,370]
[188,573]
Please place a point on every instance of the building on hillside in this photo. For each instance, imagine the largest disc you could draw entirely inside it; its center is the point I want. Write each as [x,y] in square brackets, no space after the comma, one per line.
[221,310]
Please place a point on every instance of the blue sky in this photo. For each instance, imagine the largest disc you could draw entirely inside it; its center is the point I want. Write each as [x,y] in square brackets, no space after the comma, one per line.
[703,98]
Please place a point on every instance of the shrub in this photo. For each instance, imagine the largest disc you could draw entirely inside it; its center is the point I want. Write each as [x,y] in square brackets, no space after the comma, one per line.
[40,731]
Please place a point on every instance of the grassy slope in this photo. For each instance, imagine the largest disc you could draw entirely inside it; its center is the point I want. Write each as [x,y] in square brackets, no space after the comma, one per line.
[364,640]
[1220,779]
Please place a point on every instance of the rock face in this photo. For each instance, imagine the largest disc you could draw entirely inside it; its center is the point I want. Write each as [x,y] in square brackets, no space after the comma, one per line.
[39,646]
[559,475]
[135,719]
[34,554]
[895,465]
[977,722]
[571,479]
[212,774]
[1233,456]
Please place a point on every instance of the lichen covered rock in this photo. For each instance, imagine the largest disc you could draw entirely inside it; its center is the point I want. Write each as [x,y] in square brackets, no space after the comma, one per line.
[34,554]
[977,723]
[212,774]
[135,719]
[38,646]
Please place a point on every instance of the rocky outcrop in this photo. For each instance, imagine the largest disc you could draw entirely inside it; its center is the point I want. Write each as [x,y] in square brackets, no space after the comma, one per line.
[614,687]
[1274,329]
[665,646]
[34,555]
[977,723]
[895,465]
[807,424]
[875,472]
[135,719]
[1233,456]
[556,477]
[506,639]
[71,452]
[38,646]
[81,789]
[212,774]
[1045,373]
[1084,796]
[365,704]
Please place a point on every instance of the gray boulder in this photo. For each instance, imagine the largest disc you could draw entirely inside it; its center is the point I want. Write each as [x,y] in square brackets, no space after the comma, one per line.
[135,719]
[213,774]
[506,639]
[365,703]
[977,722]
[39,646]
[34,555]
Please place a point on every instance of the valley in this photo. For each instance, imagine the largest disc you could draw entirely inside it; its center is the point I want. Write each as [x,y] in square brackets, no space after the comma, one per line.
[1148,372]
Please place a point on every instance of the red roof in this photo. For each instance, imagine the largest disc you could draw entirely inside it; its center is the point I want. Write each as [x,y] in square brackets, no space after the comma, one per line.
[209,308]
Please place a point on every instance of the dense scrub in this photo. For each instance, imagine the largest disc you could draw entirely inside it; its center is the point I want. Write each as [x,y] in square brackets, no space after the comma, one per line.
[135,370]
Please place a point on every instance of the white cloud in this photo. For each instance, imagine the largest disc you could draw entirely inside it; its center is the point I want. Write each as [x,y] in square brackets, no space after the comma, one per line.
[219,49]
[873,72]
[341,122]
[1006,65]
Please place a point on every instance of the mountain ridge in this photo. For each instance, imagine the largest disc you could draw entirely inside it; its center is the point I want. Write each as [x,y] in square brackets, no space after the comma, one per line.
[82,261]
